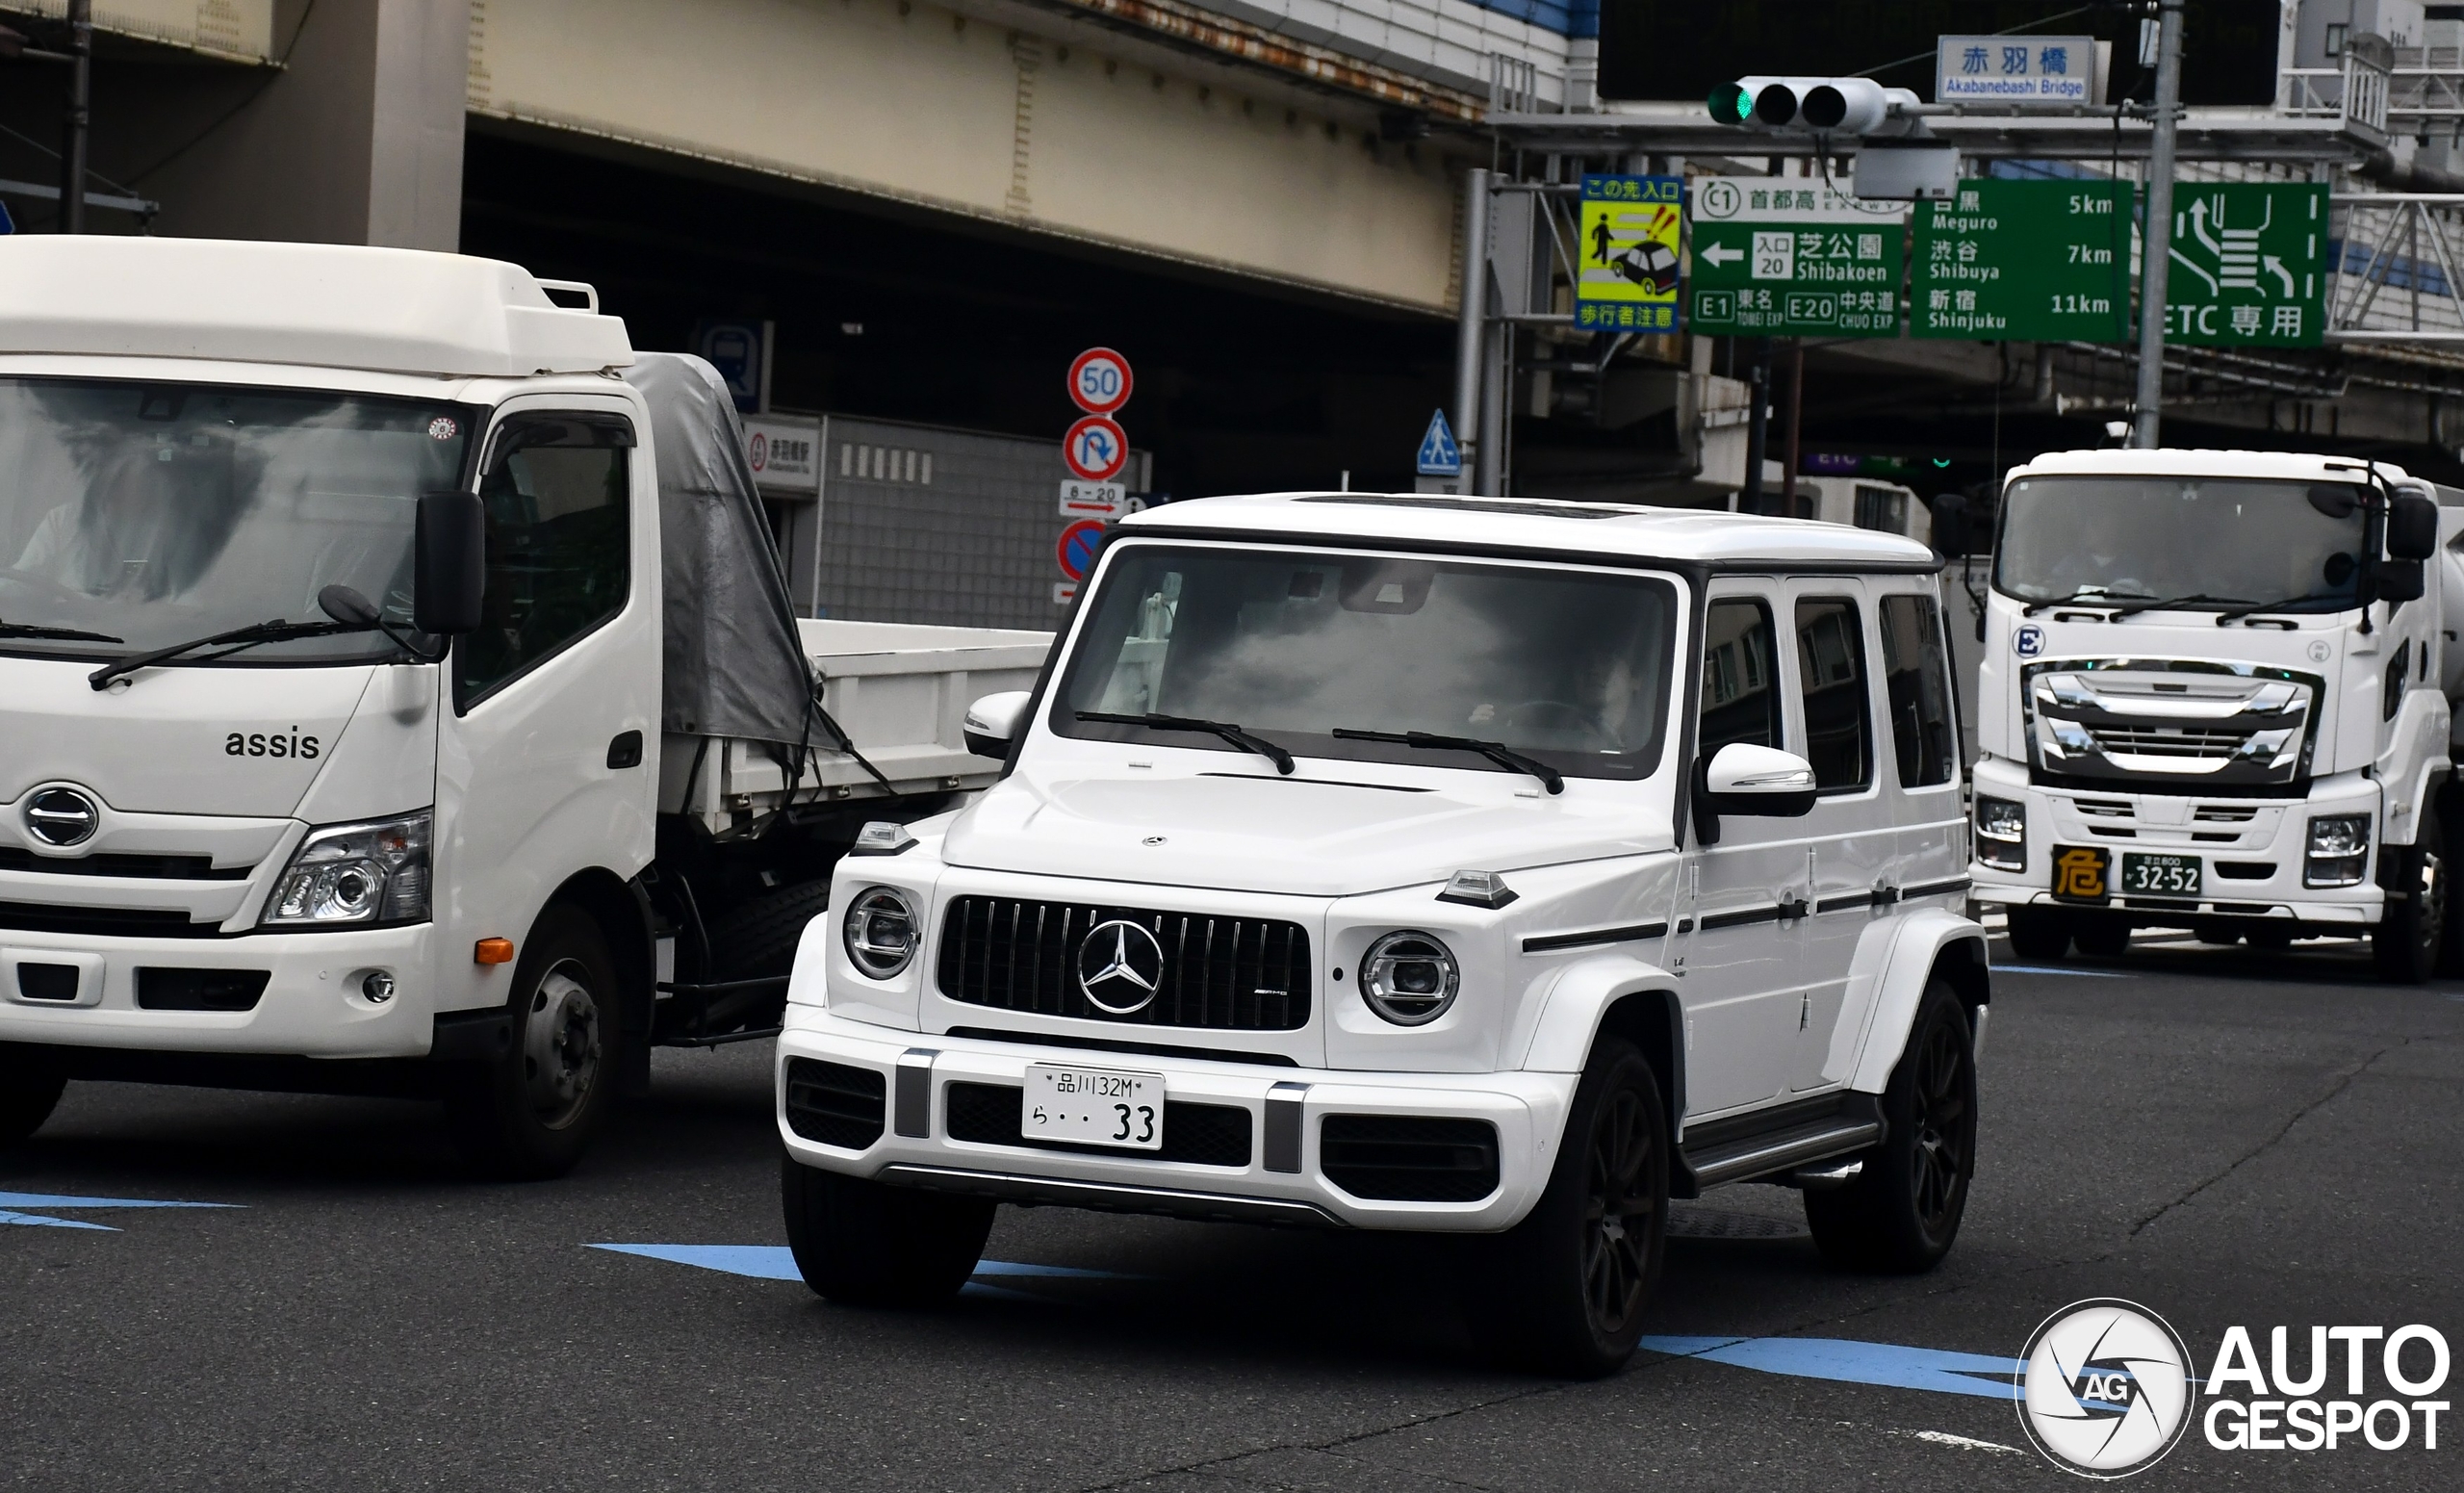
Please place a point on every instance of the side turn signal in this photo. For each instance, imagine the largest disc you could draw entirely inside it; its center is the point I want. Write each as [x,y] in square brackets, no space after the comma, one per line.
[492,951]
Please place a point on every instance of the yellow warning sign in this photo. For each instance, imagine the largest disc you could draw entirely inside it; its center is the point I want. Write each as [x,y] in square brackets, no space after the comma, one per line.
[2079,873]
[1628,259]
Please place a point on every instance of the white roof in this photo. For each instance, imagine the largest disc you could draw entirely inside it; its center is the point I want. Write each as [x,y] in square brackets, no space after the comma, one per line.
[318,305]
[2172,461]
[1575,529]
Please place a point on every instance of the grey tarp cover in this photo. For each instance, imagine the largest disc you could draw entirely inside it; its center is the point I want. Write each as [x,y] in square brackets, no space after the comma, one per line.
[735,666]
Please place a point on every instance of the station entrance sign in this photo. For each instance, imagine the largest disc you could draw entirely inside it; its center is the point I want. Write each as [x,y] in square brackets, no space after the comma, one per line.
[2248,266]
[2024,261]
[1626,279]
[1777,258]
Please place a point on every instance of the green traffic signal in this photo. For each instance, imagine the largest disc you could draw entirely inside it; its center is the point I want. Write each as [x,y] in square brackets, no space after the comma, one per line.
[1731,104]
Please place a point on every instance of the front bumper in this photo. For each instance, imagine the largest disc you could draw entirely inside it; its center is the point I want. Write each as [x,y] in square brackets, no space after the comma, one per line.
[915,1148]
[312,1004]
[2250,851]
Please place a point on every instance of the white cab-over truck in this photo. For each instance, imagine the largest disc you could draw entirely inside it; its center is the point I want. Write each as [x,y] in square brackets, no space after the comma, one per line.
[1471,866]
[397,692]
[2217,694]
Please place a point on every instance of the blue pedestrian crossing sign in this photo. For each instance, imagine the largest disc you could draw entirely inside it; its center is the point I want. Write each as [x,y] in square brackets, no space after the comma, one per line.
[1440,456]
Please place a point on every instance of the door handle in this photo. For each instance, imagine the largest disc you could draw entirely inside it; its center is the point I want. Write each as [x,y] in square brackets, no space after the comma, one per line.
[626,750]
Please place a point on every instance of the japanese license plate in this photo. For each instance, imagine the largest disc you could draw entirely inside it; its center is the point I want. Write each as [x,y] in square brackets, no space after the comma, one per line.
[2082,873]
[1093,1106]
[2163,876]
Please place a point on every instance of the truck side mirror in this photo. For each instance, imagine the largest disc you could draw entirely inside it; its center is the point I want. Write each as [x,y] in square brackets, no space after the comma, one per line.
[992,723]
[1951,534]
[2412,528]
[1745,779]
[450,553]
[2400,581]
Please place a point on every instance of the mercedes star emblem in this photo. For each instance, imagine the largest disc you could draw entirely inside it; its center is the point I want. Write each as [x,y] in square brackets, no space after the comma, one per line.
[1120,967]
[61,816]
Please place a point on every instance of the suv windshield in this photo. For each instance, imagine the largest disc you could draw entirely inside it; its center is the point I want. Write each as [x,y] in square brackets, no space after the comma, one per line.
[1569,667]
[2219,541]
[155,513]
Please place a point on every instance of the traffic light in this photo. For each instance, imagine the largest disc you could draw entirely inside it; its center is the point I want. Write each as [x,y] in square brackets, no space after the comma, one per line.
[1813,106]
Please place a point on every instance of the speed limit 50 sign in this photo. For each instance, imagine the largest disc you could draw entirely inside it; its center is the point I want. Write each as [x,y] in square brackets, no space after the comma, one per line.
[1099,380]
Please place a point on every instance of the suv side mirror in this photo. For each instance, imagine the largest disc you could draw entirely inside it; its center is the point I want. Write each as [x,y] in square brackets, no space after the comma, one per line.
[992,723]
[2412,528]
[449,574]
[1745,779]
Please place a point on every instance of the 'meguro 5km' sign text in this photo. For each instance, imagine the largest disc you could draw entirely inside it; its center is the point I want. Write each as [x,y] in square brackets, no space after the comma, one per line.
[1775,257]
[1628,261]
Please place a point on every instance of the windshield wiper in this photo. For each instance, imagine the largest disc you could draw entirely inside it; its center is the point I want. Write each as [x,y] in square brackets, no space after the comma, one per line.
[67,634]
[2255,608]
[1229,732]
[2134,608]
[255,632]
[1497,751]
[2083,597]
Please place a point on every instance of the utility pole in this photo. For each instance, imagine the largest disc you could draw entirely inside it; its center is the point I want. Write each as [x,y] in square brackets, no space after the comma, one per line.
[72,144]
[1470,345]
[2156,240]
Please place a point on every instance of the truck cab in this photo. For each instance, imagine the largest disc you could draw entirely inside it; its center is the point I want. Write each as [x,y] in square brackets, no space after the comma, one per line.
[1491,868]
[2214,694]
[397,692]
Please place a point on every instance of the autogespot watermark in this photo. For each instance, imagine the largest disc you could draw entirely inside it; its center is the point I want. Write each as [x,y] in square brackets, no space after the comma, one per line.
[2106,1389]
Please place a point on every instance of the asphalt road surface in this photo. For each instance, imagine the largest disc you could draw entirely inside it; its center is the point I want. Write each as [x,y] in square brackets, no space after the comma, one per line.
[2230,1139]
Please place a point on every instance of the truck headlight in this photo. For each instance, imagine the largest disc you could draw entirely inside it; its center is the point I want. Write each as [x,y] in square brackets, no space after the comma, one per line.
[2002,833]
[879,930]
[355,876]
[1410,978]
[2337,850]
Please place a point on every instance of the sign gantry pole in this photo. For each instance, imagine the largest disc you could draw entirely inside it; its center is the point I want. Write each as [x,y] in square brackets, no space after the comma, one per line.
[1468,342]
[2157,239]
[74,128]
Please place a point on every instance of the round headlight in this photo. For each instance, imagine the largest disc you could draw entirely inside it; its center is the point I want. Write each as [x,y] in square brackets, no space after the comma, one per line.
[879,932]
[1410,978]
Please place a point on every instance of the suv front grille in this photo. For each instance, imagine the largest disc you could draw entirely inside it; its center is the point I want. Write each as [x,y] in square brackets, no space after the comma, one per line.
[1246,974]
[1206,1135]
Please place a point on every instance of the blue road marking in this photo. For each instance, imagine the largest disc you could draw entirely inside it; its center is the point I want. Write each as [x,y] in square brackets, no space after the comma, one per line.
[1850,1362]
[12,1202]
[776,1262]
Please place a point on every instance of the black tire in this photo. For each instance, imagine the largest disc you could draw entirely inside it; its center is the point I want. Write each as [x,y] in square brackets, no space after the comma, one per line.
[2102,936]
[2451,946]
[1563,1293]
[531,1114]
[861,1244]
[2040,934]
[2270,937]
[2412,934]
[30,1089]
[1901,1213]
[759,941]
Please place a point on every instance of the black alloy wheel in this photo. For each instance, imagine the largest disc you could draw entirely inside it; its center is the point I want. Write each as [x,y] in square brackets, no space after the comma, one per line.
[1901,1211]
[1621,1211]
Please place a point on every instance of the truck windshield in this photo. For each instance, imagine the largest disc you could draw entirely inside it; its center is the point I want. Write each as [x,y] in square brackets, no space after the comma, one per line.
[1569,667]
[2216,542]
[152,513]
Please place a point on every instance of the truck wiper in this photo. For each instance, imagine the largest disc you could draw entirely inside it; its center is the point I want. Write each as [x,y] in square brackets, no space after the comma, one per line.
[255,632]
[1229,732]
[2255,608]
[69,634]
[2088,598]
[1497,751]
[2134,608]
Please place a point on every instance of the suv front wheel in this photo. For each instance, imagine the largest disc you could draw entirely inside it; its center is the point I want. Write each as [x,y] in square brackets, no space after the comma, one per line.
[862,1243]
[1564,1291]
[1902,1210]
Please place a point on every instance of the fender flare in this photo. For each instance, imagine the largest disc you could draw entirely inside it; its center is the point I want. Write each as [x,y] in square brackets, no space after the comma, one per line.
[1927,939]
[1607,991]
[2434,770]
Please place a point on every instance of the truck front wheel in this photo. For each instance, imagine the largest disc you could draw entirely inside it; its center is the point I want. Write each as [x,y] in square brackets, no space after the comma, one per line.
[864,1243]
[1902,1210]
[30,1087]
[1564,1291]
[530,1114]
[2039,934]
[2405,945]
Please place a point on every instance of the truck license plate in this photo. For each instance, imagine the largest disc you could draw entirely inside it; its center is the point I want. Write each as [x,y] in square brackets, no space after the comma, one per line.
[2163,876]
[1093,1106]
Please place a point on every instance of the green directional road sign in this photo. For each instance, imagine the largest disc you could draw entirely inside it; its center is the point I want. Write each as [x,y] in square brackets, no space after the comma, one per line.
[2024,261]
[1777,258]
[2248,265]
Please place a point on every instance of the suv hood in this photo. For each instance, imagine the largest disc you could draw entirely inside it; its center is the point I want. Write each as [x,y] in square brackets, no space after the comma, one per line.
[1299,835]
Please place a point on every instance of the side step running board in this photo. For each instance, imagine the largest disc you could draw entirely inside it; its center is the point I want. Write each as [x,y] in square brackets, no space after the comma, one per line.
[1795,1138]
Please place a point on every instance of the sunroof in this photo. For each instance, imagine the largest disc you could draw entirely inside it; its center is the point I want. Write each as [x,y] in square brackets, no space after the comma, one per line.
[1528,510]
